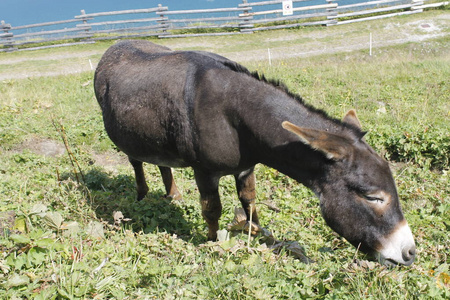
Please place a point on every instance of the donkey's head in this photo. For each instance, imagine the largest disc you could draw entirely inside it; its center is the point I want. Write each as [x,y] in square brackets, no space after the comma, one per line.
[358,197]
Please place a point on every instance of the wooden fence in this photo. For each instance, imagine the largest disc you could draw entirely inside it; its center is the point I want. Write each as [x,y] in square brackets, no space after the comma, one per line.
[247,17]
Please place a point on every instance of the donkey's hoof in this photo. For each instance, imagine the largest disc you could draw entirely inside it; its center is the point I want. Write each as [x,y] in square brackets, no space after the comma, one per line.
[176,196]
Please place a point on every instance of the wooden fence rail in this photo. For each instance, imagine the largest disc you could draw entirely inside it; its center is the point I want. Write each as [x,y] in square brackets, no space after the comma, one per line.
[247,17]
[378,9]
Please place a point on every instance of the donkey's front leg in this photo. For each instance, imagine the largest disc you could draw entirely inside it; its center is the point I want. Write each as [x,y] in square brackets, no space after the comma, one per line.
[208,185]
[245,185]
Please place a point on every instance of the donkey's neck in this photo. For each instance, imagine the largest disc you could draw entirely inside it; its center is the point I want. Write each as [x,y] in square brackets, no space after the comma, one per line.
[278,148]
[272,102]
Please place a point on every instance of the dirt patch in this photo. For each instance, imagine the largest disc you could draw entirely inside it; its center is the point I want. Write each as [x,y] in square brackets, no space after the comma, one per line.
[59,56]
[50,148]
[110,160]
[45,147]
[331,41]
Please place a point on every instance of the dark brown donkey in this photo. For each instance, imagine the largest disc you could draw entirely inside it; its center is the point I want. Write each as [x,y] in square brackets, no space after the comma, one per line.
[198,109]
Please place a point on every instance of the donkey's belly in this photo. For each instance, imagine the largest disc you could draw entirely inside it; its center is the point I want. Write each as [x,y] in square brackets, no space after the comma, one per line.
[161,156]
[154,149]
[162,160]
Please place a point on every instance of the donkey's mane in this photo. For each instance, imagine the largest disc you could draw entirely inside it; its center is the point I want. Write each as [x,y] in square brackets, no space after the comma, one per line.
[281,86]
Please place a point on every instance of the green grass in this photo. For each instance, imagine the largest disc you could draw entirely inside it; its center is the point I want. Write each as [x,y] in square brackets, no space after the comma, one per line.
[64,245]
[405,104]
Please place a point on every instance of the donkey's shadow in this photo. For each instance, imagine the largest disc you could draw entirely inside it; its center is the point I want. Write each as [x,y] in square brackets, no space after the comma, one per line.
[110,193]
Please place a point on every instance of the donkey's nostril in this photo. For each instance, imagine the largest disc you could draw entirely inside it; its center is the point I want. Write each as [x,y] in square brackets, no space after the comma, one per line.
[409,254]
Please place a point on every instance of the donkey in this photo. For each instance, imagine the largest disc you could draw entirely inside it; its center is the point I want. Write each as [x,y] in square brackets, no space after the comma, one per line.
[198,109]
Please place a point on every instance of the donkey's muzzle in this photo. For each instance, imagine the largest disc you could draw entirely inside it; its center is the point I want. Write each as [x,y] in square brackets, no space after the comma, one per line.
[398,248]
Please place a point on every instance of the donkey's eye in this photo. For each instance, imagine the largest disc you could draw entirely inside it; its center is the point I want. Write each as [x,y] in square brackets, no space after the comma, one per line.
[374,199]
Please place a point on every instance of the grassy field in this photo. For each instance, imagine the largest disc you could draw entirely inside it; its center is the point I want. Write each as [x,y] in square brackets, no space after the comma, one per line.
[61,179]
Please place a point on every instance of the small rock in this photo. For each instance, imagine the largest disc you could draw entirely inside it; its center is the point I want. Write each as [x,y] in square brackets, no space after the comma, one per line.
[7,220]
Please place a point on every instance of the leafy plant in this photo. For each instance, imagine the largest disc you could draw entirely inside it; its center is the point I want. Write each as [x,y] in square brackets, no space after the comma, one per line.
[429,147]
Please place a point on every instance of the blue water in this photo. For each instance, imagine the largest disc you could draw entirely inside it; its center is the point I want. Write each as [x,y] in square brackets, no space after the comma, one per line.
[25,12]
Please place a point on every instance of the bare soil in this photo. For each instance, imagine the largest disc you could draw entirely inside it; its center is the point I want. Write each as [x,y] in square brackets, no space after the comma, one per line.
[45,147]
[50,148]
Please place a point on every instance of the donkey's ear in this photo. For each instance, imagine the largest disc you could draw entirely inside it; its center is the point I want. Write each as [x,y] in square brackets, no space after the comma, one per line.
[352,119]
[333,146]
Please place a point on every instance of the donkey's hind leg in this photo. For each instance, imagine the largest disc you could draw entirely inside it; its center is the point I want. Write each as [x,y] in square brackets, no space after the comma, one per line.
[169,183]
[245,185]
[141,185]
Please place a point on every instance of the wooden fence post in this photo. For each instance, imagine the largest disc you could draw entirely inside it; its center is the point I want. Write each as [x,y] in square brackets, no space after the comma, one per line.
[7,36]
[416,5]
[163,23]
[84,19]
[245,26]
[332,13]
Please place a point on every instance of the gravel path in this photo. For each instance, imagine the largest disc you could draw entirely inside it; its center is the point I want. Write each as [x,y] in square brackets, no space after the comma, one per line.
[294,43]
